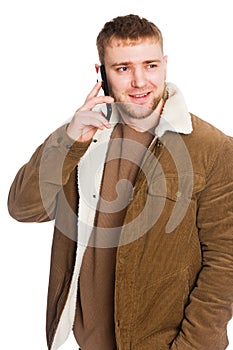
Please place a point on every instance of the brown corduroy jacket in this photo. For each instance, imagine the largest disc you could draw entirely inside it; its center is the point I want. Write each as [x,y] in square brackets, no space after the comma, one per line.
[174,270]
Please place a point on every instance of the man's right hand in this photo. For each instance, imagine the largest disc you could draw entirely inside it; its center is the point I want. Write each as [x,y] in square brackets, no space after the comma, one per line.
[85,121]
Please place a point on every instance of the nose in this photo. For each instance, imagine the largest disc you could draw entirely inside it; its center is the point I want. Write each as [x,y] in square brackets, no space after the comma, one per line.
[138,78]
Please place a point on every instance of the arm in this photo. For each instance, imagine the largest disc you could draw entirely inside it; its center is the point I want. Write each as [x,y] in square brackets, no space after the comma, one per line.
[210,306]
[33,194]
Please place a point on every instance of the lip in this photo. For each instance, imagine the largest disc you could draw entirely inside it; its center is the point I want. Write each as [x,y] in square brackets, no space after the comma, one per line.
[140,97]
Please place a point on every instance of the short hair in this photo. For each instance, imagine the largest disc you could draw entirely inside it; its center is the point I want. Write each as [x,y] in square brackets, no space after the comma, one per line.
[129,29]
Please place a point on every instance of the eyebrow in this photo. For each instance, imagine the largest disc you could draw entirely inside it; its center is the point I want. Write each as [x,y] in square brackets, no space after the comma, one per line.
[128,63]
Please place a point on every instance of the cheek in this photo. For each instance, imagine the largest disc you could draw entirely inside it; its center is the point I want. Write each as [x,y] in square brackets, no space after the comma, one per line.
[118,87]
[158,82]
[160,77]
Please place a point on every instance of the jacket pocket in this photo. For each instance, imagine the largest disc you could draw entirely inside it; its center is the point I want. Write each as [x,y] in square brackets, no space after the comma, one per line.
[158,320]
[174,187]
[178,195]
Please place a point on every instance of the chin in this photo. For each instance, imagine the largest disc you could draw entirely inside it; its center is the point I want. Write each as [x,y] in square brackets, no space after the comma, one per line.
[135,111]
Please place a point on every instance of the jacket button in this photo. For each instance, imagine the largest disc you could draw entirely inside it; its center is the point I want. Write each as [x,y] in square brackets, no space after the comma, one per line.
[178,194]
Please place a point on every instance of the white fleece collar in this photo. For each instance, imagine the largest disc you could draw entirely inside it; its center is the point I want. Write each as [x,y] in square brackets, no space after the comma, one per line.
[175,116]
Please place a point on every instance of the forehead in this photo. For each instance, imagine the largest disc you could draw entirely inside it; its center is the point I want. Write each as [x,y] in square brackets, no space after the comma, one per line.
[134,51]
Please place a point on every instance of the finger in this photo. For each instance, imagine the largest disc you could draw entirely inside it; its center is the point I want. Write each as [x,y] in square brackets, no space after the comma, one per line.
[95,119]
[91,103]
[94,92]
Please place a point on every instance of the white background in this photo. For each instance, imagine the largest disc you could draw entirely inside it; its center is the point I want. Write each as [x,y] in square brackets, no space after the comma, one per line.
[47,67]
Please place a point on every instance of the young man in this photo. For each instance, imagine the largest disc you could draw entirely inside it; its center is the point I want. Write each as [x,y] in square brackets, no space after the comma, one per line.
[142,255]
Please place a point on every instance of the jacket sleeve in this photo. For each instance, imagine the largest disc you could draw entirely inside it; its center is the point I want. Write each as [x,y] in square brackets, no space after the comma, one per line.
[33,193]
[210,306]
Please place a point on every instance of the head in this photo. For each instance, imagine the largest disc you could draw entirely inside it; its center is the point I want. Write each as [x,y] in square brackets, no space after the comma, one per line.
[131,48]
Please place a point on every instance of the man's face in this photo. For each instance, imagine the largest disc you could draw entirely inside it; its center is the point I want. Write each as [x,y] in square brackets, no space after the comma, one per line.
[136,75]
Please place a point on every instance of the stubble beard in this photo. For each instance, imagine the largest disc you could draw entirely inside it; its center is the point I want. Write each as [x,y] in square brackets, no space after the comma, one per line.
[136,111]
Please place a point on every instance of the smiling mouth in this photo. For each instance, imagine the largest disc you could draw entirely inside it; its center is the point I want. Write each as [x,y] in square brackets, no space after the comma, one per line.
[143,95]
[140,98]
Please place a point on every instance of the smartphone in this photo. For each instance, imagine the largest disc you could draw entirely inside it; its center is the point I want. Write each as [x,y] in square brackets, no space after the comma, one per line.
[105,89]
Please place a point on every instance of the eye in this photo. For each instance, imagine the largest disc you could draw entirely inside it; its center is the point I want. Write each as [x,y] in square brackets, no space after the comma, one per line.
[122,69]
[152,65]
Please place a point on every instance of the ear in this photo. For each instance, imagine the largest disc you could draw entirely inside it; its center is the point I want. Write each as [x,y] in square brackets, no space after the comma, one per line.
[97,68]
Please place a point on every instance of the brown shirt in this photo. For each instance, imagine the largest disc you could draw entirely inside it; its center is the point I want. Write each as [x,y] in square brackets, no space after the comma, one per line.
[94,322]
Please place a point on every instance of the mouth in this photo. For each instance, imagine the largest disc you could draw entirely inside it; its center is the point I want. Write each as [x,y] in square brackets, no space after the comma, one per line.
[140,98]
